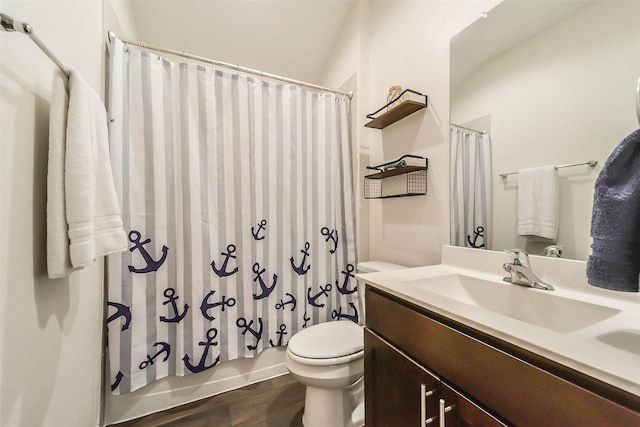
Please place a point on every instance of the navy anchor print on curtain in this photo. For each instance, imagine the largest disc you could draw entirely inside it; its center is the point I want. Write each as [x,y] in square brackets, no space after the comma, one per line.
[478,238]
[172,301]
[150,263]
[237,197]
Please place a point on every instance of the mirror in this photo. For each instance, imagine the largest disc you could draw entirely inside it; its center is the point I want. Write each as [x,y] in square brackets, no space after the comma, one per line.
[551,83]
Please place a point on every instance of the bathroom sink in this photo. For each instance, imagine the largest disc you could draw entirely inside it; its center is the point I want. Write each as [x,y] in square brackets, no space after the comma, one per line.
[627,340]
[544,309]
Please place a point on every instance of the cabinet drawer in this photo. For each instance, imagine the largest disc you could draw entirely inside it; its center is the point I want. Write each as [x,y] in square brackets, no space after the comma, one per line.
[516,391]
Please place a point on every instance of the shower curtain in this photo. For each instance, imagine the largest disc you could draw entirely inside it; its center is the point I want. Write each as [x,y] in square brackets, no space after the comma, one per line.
[236,194]
[470,189]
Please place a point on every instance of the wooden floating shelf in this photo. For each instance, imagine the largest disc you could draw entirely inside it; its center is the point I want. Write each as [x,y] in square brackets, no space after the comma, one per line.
[393,196]
[396,171]
[396,113]
[415,182]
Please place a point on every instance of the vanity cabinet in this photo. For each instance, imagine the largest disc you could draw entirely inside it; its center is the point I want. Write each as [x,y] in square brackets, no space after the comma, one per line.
[401,392]
[485,381]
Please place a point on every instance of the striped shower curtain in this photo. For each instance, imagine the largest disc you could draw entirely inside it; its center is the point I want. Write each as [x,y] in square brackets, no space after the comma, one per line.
[236,194]
[471,195]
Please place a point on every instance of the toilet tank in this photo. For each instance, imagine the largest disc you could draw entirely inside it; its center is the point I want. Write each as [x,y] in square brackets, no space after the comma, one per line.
[374,266]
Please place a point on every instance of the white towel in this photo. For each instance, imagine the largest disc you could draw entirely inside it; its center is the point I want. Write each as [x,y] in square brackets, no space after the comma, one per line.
[81,195]
[538,203]
[58,260]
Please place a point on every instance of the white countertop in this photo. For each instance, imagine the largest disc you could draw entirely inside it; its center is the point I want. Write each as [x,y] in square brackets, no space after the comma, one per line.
[608,350]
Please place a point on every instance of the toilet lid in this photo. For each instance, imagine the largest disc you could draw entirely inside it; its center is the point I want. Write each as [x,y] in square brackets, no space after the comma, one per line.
[328,340]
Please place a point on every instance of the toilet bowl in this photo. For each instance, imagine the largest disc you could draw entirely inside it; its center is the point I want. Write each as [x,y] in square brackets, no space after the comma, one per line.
[329,359]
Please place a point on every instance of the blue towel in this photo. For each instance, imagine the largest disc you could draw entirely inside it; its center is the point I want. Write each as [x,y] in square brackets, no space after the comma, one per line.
[615,225]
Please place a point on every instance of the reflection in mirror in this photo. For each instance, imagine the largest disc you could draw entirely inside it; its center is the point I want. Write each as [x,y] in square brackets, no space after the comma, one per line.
[544,83]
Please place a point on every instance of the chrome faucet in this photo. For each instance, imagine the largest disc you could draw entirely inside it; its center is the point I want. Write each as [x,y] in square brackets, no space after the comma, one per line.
[553,251]
[521,274]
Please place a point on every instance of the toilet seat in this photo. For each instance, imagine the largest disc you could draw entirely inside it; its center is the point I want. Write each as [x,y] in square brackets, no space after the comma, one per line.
[327,343]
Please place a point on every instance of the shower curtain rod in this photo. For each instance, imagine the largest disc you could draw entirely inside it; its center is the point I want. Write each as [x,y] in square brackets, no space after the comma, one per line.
[469,129]
[228,65]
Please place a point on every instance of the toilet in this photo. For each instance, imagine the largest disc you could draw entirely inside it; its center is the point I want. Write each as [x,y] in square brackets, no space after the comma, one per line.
[329,359]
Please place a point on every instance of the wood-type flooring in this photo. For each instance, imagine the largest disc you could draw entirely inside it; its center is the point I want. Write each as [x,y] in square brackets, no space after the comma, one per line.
[278,402]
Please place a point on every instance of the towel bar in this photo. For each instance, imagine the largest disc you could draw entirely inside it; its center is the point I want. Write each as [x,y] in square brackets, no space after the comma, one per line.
[591,163]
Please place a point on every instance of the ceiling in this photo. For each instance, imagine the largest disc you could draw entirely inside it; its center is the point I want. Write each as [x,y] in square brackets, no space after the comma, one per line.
[291,38]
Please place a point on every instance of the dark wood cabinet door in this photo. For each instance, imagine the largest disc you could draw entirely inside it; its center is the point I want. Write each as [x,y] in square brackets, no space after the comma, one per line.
[394,387]
[461,412]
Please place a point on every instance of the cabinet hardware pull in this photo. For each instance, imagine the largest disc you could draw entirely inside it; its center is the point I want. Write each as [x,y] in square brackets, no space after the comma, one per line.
[423,405]
[444,410]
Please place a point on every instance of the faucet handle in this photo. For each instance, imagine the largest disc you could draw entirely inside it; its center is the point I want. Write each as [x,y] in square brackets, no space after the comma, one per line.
[515,254]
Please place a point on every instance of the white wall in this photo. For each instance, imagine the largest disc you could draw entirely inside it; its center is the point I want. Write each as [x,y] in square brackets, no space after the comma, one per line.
[405,43]
[564,96]
[50,330]
[120,18]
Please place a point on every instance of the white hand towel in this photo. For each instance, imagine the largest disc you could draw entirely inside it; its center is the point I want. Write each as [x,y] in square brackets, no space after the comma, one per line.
[89,202]
[538,202]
